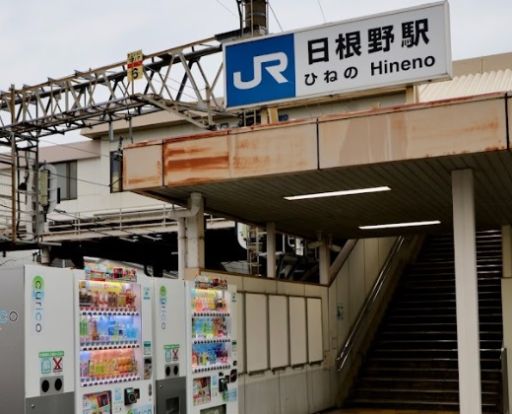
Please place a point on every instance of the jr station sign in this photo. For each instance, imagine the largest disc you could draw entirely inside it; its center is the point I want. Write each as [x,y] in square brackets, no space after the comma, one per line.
[397,48]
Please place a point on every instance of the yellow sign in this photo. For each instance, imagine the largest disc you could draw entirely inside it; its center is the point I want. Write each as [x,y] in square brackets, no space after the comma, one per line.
[134,65]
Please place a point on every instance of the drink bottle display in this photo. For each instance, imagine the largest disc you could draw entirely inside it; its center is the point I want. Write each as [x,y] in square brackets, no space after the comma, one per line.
[114,371]
[213,347]
[109,331]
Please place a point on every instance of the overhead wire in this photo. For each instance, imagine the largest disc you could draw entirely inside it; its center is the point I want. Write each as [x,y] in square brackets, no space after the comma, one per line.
[100,154]
[226,8]
[321,10]
[81,180]
[275,17]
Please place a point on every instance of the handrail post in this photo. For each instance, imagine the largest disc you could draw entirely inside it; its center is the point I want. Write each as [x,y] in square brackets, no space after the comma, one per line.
[346,350]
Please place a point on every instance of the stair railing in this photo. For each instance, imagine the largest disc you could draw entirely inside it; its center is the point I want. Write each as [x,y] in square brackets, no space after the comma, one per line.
[367,307]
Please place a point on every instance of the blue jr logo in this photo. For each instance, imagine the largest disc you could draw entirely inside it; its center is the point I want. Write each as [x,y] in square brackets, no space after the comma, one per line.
[276,70]
[260,71]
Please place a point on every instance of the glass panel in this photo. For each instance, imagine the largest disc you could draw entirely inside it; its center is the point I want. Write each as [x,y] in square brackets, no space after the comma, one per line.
[72,180]
[116,175]
[67,179]
[62,180]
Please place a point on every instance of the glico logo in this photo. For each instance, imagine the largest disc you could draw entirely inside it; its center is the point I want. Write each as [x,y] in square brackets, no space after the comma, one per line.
[163,307]
[38,303]
[275,70]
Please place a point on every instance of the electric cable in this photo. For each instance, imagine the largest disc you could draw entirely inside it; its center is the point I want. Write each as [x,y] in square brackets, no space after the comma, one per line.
[275,17]
[321,10]
[226,8]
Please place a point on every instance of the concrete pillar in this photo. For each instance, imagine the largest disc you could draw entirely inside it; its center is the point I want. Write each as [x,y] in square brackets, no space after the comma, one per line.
[466,289]
[506,299]
[182,248]
[195,229]
[271,250]
[506,242]
[324,262]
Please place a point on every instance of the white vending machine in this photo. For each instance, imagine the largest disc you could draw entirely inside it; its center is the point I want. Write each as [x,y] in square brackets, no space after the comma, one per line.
[114,344]
[170,346]
[212,347]
[37,361]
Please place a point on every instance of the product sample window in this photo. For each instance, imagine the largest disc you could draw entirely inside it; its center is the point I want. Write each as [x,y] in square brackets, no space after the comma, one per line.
[116,172]
[66,180]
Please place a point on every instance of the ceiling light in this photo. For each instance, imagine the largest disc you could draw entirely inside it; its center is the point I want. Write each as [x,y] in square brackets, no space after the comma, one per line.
[339,193]
[396,225]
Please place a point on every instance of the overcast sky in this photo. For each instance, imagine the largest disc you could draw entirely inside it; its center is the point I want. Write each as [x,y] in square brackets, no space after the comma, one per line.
[55,37]
[52,38]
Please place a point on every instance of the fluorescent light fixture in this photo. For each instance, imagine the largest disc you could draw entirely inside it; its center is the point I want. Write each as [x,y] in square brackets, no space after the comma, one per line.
[339,193]
[397,225]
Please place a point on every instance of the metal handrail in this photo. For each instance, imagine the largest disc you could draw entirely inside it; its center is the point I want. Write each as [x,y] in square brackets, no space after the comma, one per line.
[345,352]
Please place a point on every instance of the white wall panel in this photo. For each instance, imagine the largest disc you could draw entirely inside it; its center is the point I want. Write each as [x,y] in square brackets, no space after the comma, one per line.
[256,332]
[278,331]
[314,325]
[294,393]
[298,339]
[262,396]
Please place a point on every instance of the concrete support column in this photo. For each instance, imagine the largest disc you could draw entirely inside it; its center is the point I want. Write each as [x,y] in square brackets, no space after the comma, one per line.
[271,250]
[324,262]
[182,248]
[195,229]
[466,289]
[506,243]
[506,299]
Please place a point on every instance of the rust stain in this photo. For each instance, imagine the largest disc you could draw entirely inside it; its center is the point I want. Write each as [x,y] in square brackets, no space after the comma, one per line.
[491,125]
[137,181]
[496,148]
[254,163]
[485,126]
[189,181]
[198,164]
[171,151]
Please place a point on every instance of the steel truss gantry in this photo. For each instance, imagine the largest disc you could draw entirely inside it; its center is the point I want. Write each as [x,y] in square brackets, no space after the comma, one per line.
[183,81]
[175,80]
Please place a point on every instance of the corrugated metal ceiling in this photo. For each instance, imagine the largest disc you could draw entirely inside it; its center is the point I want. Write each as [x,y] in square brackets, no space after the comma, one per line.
[467,85]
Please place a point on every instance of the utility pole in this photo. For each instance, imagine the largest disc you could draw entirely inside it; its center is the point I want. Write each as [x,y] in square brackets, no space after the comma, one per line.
[256,17]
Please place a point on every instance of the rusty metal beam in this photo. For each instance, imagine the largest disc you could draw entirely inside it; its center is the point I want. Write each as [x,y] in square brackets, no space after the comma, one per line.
[85,99]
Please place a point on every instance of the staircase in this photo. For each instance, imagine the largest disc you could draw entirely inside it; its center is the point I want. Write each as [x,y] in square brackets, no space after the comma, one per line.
[412,362]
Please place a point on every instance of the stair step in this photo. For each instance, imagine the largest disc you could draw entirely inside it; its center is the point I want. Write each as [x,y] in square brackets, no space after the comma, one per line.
[494,282]
[433,373]
[422,383]
[391,325]
[413,359]
[493,313]
[426,336]
[420,345]
[432,395]
[414,404]
[432,353]
[425,362]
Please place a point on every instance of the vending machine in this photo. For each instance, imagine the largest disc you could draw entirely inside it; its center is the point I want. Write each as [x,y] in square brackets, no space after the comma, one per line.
[212,347]
[114,344]
[37,361]
[170,347]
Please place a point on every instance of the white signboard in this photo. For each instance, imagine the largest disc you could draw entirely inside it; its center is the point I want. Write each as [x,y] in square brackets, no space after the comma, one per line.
[402,47]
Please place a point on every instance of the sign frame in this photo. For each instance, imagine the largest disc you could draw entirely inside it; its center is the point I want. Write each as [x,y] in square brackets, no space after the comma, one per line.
[336,92]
